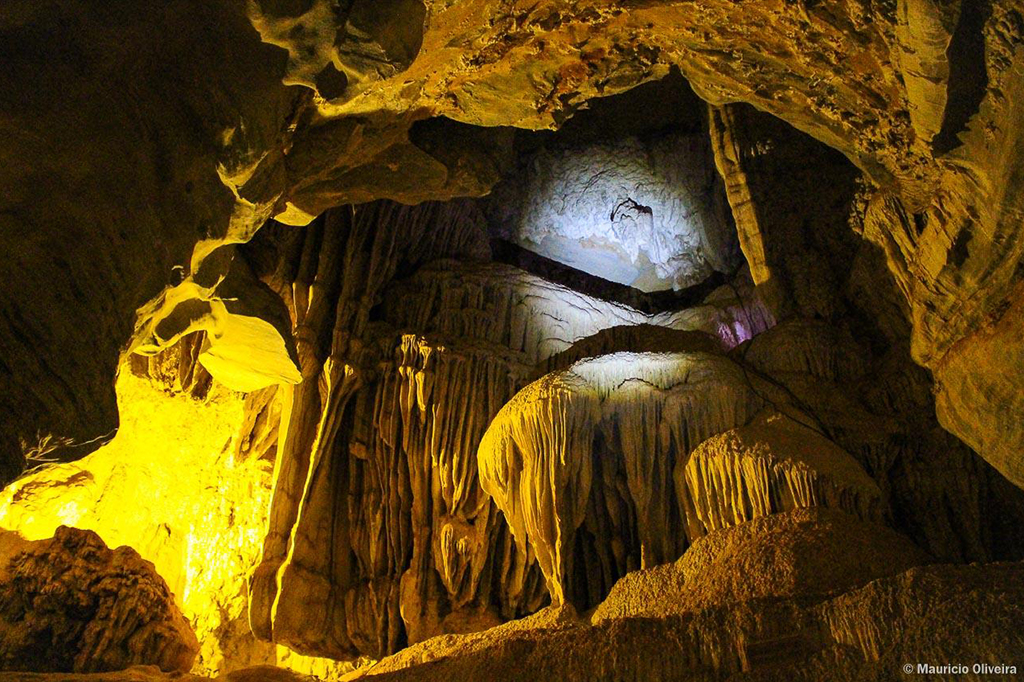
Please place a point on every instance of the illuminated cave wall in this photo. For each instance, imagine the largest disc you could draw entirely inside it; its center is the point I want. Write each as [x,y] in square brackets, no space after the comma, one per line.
[172,486]
[626,191]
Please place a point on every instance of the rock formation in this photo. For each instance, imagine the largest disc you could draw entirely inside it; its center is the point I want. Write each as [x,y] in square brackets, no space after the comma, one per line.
[508,340]
[70,604]
[630,203]
[725,614]
[919,95]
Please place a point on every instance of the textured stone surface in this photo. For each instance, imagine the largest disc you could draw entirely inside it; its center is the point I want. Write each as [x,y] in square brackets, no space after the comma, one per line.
[772,464]
[880,409]
[288,109]
[810,552]
[734,613]
[978,371]
[70,604]
[412,405]
[614,464]
[153,674]
[647,212]
[146,140]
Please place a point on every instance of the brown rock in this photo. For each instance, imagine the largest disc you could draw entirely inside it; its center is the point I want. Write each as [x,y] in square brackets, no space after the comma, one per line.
[852,612]
[72,605]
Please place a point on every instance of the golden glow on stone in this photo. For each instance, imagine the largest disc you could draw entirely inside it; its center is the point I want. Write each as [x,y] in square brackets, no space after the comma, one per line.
[168,485]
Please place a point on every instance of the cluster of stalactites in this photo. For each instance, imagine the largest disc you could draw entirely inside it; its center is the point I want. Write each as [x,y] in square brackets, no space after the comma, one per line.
[616,464]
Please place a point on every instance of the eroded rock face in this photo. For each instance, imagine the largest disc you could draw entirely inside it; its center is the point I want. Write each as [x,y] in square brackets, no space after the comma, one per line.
[638,207]
[416,369]
[178,130]
[286,109]
[735,606]
[70,604]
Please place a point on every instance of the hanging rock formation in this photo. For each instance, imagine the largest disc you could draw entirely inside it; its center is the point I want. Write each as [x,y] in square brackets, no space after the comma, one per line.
[70,604]
[771,465]
[614,464]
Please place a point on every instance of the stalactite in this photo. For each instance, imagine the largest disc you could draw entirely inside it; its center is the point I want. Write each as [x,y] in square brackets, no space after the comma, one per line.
[377,522]
[598,442]
[614,464]
[771,465]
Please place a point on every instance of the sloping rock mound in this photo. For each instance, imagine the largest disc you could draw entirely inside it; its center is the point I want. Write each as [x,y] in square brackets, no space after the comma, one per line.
[767,625]
[70,604]
[814,552]
[773,464]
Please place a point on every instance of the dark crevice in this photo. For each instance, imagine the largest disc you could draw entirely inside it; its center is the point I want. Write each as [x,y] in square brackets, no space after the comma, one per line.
[647,302]
[968,77]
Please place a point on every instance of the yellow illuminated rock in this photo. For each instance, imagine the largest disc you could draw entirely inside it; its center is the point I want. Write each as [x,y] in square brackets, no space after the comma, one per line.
[170,486]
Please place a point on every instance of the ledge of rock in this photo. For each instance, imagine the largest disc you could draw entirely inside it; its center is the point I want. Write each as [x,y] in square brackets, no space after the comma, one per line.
[810,552]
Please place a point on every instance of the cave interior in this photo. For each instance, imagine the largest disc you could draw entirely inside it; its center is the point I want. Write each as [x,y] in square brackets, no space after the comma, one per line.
[486,340]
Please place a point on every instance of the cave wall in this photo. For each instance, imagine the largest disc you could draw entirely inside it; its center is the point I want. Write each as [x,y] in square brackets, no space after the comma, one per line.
[431,539]
[276,112]
[625,191]
[151,141]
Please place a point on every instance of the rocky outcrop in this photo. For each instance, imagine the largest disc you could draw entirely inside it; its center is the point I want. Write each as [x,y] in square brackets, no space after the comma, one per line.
[881,411]
[806,553]
[70,604]
[772,464]
[753,603]
[973,373]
